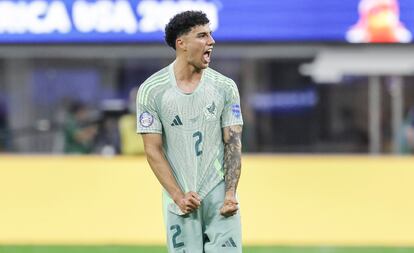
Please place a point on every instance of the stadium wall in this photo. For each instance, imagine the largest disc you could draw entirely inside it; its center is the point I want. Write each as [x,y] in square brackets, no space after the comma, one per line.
[285,200]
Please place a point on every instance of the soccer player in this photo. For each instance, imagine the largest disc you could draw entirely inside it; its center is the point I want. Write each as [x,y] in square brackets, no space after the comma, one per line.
[190,119]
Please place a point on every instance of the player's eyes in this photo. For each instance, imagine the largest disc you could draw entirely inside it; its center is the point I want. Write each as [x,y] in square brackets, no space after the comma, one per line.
[204,35]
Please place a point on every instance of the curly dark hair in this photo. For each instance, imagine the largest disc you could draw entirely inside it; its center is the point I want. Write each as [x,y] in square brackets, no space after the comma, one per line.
[182,23]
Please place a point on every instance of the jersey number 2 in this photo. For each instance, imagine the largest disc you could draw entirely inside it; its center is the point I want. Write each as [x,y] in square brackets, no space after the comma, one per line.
[177,232]
[199,138]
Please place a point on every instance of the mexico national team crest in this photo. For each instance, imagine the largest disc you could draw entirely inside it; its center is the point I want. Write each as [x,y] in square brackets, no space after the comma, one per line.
[146,119]
[210,111]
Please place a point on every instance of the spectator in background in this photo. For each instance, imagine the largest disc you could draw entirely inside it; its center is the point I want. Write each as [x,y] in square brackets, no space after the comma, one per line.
[131,142]
[80,130]
[107,139]
[407,134]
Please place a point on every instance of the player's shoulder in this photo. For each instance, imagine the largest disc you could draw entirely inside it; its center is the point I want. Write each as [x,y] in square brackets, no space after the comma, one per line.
[161,76]
[219,79]
[217,76]
[156,82]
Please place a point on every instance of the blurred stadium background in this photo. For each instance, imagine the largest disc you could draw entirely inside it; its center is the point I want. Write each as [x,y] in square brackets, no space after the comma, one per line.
[327,98]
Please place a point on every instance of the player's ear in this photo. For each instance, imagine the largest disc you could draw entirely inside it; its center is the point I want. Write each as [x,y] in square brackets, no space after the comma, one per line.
[180,43]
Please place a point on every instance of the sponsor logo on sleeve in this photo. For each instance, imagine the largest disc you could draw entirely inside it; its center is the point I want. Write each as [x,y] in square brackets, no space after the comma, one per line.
[146,119]
[235,109]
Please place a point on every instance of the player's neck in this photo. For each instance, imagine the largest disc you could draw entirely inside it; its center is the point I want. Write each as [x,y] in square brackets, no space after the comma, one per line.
[186,75]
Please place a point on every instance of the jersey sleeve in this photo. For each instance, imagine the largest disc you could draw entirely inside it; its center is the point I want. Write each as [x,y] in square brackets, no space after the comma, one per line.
[148,120]
[232,112]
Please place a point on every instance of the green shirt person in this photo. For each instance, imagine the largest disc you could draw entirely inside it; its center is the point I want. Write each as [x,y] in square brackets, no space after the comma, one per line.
[79,131]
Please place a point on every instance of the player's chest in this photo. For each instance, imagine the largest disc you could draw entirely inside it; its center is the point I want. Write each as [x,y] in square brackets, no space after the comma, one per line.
[191,111]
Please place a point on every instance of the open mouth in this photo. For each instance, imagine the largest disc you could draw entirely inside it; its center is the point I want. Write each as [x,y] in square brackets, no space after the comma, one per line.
[207,55]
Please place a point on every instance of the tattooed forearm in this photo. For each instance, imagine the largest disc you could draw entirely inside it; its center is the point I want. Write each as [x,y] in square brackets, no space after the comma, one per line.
[232,156]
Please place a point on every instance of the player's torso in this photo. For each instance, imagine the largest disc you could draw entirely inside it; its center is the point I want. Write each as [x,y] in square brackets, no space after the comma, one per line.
[192,132]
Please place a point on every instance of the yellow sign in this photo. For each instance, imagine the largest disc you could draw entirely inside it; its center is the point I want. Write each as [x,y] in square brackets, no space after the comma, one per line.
[289,200]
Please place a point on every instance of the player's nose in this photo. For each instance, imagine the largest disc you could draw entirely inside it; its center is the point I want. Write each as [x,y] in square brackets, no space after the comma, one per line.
[211,40]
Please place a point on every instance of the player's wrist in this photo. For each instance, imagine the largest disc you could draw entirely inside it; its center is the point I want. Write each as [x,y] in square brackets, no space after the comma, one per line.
[177,196]
[230,194]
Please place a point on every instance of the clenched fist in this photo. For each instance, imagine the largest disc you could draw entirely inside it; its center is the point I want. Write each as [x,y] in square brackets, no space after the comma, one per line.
[189,202]
[230,207]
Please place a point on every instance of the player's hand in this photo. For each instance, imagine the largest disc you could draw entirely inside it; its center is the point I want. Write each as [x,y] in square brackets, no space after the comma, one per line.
[230,207]
[189,202]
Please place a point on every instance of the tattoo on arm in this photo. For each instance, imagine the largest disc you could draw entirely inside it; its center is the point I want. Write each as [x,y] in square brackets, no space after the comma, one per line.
[232,156]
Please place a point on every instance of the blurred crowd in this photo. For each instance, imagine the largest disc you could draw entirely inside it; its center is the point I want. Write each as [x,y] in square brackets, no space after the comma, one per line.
[109,128]
[108,132]
[83,129]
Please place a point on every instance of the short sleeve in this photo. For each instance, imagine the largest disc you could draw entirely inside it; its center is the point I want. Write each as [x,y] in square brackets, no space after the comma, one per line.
[231,112]
[148,120]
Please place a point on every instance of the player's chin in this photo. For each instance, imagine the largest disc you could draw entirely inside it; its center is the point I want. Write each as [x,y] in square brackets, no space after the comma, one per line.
[203,65]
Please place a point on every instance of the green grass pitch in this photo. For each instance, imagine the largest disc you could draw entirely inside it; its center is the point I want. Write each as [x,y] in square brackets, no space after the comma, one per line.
[149,249]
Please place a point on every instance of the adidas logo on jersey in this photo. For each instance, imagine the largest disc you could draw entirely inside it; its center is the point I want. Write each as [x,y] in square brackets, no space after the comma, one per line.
[229,244]
[177,121]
